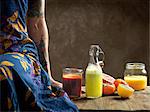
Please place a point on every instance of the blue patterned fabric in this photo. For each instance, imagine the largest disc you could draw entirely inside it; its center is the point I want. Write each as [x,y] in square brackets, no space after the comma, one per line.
[23,81]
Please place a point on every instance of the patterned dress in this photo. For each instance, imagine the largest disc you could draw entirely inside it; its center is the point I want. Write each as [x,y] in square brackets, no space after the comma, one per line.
[23,81]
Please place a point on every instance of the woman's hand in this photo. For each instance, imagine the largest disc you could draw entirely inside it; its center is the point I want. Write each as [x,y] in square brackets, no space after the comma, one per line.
[56,83]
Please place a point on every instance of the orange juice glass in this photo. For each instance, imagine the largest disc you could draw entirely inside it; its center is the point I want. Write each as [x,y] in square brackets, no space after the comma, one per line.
[72,81]
[136,76]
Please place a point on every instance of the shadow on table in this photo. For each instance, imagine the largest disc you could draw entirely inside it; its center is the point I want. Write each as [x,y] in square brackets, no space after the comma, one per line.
[114,111]
[83,98]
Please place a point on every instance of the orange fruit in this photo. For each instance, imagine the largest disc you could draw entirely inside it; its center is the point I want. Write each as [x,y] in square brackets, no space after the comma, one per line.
[120,81]
[125,91]
[108,88]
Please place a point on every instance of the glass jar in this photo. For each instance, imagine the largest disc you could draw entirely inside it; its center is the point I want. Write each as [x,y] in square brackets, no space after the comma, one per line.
[72,81]
[135,75]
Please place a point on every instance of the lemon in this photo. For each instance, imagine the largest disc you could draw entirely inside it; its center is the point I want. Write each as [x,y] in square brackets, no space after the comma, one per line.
[124,91]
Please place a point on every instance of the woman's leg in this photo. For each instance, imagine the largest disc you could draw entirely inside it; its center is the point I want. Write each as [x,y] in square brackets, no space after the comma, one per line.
[16,93]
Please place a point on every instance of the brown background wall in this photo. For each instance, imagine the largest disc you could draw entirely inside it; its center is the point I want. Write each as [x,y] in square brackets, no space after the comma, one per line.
[120,27]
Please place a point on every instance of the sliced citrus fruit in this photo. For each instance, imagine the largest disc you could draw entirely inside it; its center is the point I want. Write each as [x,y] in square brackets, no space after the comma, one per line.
[108,79]
[124,91]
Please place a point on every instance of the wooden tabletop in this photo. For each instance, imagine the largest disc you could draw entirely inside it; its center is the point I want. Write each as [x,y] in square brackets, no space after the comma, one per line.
[140,100]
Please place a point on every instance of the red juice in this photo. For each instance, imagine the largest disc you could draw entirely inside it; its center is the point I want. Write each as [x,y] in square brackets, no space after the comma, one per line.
[72,84]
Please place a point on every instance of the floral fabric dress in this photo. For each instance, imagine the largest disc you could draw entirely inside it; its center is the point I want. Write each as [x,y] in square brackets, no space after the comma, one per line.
[23,81]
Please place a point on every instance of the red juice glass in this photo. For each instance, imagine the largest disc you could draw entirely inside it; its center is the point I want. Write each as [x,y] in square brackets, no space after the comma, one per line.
[72,81]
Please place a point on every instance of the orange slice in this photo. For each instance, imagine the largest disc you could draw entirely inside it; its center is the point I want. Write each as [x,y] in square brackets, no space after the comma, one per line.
[125,91]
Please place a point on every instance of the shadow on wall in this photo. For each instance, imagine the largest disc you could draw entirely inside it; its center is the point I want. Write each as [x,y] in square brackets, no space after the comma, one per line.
[120,27]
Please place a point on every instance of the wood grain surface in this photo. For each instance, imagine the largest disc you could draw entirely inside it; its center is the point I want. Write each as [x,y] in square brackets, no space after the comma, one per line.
[139,101]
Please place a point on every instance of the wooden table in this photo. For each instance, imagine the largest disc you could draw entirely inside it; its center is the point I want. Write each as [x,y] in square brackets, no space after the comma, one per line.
[139,101]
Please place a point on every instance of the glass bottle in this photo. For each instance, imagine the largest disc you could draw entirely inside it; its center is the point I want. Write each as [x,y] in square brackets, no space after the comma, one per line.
[93,82]
[135,75]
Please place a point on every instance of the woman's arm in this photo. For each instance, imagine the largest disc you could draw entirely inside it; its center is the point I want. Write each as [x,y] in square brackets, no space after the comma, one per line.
[38,31]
